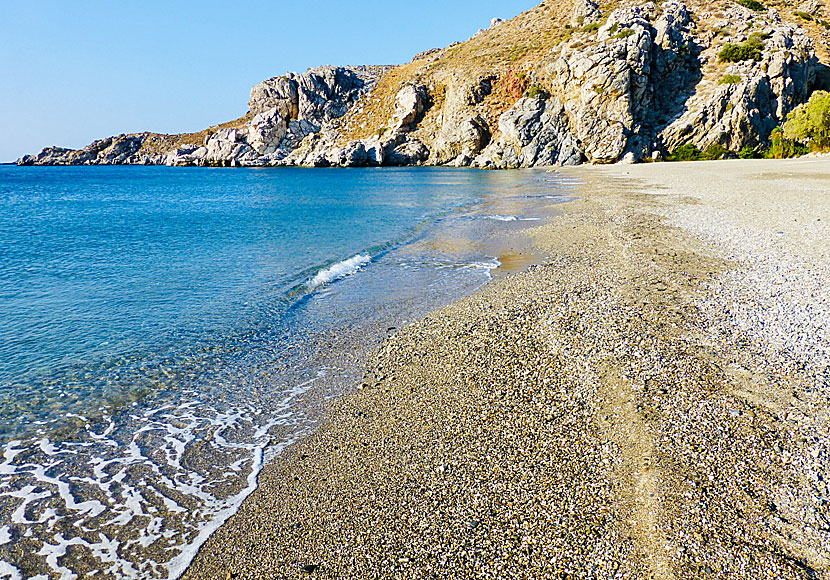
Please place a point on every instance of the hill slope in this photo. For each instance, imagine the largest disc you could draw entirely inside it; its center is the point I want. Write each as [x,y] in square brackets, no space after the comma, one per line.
[567,82]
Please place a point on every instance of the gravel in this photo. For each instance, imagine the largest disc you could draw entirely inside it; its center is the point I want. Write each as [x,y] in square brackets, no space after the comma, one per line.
[617,411]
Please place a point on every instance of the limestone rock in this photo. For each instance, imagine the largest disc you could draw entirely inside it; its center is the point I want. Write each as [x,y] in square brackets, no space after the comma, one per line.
[635,86]
[122,149]
[318,95]
[410,104]
[585,12]
[404,150]
[744,112]
[534,132]
[266,130]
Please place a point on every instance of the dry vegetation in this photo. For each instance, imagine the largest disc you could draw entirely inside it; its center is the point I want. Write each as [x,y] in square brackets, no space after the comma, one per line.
[160,143]
[512,53]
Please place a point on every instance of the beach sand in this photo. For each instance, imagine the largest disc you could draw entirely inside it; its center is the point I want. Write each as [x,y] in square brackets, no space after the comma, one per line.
[648,402]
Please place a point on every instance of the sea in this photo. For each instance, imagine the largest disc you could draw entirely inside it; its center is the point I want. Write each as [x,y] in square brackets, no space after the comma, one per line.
[164,332]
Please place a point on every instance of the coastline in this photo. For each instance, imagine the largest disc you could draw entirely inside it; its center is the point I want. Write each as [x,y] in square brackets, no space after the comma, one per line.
[615,411]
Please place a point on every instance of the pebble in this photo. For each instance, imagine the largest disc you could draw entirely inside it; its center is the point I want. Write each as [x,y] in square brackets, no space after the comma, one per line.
[582,419]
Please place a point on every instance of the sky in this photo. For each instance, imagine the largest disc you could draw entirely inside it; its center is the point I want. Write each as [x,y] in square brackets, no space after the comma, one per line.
[73,72]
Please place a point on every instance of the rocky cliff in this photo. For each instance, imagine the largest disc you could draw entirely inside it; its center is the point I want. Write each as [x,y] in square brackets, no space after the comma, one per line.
[568,82]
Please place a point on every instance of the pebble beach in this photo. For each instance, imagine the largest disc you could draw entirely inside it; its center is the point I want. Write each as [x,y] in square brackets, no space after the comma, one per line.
[649,400]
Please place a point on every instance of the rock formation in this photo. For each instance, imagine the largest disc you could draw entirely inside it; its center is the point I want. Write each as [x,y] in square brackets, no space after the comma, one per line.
[571,81]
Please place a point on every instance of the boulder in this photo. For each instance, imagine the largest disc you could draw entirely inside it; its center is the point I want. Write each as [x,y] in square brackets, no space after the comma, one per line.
[585,12]
[464,138]
[280,93]
[266,130]
[228,147]
[464,129]
[534,132]
[410,104]
[404,150]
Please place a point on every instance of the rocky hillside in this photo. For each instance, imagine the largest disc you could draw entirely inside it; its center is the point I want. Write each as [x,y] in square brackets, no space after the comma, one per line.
[568,82]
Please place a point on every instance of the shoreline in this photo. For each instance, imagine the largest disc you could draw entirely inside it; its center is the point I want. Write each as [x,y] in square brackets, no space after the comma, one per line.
[593,415]
[202,452]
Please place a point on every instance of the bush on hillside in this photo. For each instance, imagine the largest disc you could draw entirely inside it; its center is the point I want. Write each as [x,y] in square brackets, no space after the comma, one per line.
[810,122]
[536,92]
[752,5]
[752,49]
[730,80]
[782,147]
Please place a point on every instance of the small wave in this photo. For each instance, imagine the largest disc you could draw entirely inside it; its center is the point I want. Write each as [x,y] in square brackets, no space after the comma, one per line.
[511,218]
[340,270]
[490,265]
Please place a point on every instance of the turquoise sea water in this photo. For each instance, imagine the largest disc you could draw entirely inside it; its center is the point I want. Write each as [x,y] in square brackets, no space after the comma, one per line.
[162,331]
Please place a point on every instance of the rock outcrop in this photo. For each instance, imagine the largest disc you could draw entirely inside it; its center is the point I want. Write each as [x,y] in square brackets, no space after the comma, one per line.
[565,83]
[753,97]
[119,150]
[636,92]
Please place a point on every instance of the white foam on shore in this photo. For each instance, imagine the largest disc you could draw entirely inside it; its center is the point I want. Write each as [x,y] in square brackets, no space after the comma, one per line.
[135,466]
[340,270]
[511,218]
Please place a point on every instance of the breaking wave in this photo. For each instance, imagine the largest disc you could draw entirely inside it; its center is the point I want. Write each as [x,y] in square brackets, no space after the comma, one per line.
[339,270]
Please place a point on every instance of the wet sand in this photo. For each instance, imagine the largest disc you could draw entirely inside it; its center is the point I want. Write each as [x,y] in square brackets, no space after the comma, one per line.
[648,402]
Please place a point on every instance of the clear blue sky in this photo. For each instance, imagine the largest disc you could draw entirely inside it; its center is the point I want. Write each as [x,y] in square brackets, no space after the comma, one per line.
[76,71]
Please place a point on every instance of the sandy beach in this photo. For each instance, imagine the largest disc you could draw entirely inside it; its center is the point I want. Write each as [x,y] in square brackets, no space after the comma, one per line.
[650,401]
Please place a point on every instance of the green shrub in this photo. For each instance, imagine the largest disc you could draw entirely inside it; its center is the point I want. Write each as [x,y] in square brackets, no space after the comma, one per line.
[625,33]
[752,49]
[536,92]
[614,28]
[803,15]
[730,80]
[714,152]
[749,153]
[752,5]
[687,152]
[783,148]
[810,122]
[592,27]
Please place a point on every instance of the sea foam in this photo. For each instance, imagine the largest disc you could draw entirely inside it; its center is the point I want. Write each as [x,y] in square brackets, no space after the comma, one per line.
[340,270]
[511,218]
